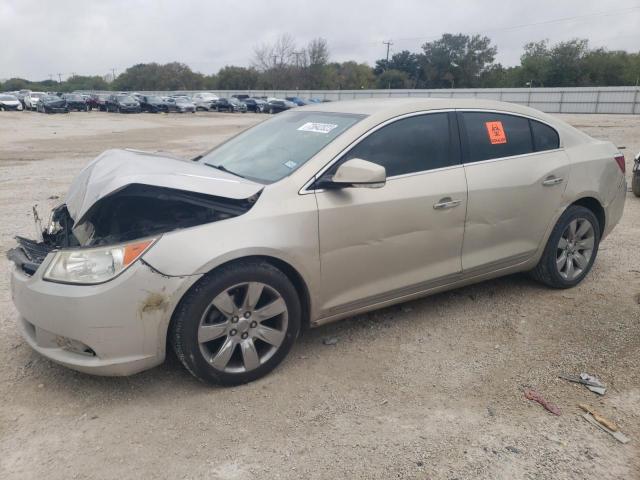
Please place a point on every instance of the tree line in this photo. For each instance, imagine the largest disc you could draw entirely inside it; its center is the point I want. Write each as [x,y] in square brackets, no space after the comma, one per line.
[452,61]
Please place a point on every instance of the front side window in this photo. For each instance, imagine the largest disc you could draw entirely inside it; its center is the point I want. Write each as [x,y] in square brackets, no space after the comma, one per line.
[409,145]
[277,147]
[494,135]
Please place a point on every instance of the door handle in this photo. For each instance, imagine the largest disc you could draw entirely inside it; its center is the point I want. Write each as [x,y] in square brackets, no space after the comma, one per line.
[445,203]
[552,180]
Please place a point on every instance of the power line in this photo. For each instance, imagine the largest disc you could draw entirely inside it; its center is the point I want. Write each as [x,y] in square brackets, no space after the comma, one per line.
[535,24]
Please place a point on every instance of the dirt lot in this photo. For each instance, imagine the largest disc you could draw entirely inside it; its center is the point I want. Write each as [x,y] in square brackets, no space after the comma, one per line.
[428,389]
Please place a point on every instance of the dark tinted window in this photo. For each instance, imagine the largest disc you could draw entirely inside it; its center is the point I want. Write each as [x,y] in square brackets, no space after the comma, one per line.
[544,137]
[495,135]
[410,145]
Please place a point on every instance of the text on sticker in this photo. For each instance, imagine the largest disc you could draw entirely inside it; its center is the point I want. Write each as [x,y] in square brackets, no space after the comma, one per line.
[496,133]
[317,127]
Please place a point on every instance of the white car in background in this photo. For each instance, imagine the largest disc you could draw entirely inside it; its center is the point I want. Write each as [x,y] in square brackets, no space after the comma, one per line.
[9,102]
[204,100]
[31,100]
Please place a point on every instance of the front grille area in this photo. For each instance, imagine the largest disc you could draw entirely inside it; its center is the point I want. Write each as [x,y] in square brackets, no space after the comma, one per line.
[35,251]
[29,254]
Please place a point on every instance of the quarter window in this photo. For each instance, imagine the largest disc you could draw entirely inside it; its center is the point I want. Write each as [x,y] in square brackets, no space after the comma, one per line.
[544,137]
[409,145]
[495,135]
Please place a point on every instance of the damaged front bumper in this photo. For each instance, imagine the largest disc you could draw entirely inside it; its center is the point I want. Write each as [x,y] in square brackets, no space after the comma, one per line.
[114,328]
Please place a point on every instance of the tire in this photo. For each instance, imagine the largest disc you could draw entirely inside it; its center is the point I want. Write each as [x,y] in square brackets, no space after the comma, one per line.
[635,183]
[550,269]
[236,329]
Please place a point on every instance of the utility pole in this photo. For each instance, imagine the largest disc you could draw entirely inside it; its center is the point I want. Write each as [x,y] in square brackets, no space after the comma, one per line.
[388,43]
[297,54]
[113,71]
[59,78]
[51,76]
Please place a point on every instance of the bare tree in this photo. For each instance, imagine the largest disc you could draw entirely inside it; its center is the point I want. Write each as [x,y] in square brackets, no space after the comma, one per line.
[279,54]
[318,52]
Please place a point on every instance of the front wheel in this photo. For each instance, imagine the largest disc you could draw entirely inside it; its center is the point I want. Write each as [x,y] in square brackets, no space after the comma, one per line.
[571,249]
[237,324]
[635,183]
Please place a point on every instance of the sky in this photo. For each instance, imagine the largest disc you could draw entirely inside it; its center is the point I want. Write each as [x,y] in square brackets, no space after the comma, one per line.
[40,39]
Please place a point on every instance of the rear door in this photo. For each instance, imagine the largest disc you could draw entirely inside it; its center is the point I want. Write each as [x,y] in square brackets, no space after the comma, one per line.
[516,175]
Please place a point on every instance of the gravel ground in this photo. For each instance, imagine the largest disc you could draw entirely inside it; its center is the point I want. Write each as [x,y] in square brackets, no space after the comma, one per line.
[429,389]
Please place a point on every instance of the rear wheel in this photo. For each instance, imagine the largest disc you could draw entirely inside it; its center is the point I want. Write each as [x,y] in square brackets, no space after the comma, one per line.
[237,324]
[571,249]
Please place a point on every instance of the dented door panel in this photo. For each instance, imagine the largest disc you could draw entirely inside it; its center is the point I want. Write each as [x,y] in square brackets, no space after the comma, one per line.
[377,241]
[510,208]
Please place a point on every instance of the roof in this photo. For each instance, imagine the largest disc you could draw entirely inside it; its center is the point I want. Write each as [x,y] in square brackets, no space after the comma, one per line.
[379,110]
[399,106]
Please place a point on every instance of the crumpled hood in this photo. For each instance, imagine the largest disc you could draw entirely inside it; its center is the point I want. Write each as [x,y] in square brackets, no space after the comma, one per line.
[115,169]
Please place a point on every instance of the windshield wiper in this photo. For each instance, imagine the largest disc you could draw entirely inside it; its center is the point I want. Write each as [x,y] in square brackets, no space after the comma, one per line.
[222,168]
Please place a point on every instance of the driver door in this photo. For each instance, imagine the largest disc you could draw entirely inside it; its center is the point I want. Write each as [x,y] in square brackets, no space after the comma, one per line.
[378,244]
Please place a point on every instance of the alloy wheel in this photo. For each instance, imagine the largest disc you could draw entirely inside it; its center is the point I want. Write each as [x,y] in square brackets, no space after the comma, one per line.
[243,327]
[575,248]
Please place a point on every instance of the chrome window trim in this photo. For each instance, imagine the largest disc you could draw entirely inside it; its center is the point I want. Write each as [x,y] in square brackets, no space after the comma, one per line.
[305,188]
[528,117]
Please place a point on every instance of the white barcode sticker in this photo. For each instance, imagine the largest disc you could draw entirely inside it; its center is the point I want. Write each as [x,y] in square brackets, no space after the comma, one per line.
[317,127]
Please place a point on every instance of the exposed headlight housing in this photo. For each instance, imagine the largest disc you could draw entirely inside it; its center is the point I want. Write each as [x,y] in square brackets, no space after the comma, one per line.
[90,266]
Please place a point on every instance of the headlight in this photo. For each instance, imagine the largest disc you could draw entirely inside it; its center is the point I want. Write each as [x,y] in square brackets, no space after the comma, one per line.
[94,265]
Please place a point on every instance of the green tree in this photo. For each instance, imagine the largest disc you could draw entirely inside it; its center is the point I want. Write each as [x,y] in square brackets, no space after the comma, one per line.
[393,79]
[350,76]
[403,61]
[14,84]
[153,76]
[78,82]
[455,60]
[237,78]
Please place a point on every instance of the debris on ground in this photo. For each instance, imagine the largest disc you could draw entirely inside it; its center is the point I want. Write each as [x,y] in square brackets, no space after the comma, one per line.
[531,394]
[589,381]
[594,384]
[599,418]
[53,197]
[619,436]
[330,341]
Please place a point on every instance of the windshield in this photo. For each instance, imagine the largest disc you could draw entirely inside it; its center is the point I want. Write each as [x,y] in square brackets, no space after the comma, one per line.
[154,99]
[277,147]
[182,100]
[126,99]
[6,98]
[37,95]
[74,97]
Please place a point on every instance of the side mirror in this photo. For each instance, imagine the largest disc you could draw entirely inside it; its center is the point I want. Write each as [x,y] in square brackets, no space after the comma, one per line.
[356,173]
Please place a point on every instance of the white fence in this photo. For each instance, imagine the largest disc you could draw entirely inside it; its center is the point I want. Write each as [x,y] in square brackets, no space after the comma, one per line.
[551,100]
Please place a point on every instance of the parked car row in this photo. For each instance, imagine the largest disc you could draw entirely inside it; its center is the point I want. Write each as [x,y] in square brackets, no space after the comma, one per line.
[125,102]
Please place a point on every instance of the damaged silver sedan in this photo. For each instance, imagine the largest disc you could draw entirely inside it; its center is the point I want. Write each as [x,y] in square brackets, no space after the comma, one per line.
[317,214]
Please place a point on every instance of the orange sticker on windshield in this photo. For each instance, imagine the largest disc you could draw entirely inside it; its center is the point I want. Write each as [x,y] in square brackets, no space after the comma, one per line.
[496,133]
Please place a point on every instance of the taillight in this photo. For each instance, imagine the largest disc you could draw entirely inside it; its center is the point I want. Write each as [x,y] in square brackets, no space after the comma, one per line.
[620,161]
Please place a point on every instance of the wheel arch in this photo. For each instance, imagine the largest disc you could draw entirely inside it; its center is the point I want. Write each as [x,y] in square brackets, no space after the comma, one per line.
[593,204]
[291,273]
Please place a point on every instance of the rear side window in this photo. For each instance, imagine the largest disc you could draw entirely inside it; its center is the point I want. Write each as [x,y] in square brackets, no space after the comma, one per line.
[410,145]
[495,135]
[544,137]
